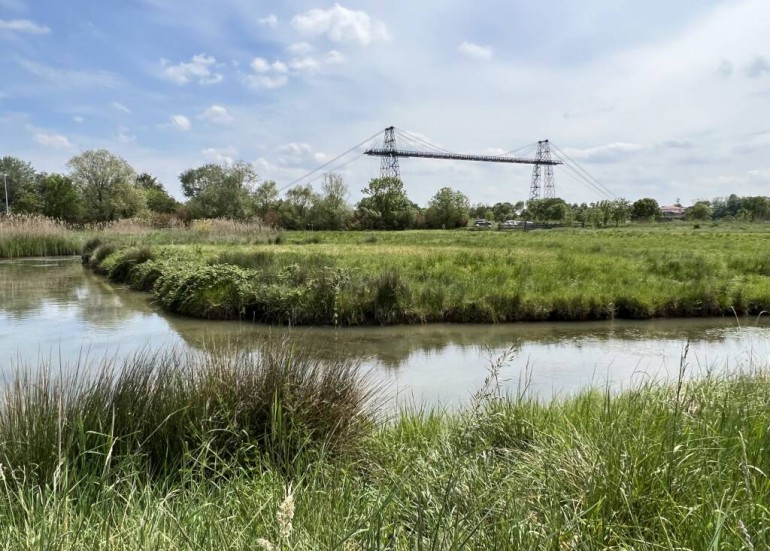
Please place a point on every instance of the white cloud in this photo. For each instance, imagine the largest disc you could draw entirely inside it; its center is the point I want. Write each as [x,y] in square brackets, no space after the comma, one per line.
[269,21]
[225,155]
[78,119]
[609,153]
[300,48]
[266,82]
[261,65]
[216,114]
[181,122]
[305,64]
[475,51]
[54,141]
[333,56]
[268,75]
[200,69]
[340,24]
[23,26]
[120,107]
[297,153]
[277,74]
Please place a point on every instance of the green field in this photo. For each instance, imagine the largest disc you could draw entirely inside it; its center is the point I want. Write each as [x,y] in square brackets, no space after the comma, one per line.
[358,278]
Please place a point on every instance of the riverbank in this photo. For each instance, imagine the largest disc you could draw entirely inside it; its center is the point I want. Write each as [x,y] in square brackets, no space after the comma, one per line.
[219,269]
[350,279]
[194,453]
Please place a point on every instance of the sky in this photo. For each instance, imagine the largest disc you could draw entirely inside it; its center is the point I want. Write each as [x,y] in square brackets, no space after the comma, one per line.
[659,99]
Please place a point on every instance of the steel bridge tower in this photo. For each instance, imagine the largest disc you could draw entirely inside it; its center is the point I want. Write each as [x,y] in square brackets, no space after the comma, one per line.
[542,173]
[389,167]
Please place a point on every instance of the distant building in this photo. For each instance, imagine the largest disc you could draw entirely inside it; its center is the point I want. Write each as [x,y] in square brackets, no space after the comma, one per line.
[672,212]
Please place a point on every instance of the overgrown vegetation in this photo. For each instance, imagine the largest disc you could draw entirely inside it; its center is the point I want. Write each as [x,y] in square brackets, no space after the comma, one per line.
[22,236]
[485,277]
[227,453]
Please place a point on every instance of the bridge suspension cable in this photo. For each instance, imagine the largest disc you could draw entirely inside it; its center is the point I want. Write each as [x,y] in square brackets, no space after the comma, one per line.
[539,154]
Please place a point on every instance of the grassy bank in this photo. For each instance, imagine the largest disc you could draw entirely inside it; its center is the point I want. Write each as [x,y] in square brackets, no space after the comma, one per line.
[193,454]
[456,276]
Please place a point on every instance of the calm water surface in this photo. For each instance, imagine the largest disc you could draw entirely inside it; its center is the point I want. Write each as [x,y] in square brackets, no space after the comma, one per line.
[55,310]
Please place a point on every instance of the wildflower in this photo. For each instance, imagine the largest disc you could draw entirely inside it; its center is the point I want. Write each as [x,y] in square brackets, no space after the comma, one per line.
[266,545]
[285,516]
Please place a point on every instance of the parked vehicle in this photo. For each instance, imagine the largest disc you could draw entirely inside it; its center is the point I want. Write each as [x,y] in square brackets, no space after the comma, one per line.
[482,223]
[509,224]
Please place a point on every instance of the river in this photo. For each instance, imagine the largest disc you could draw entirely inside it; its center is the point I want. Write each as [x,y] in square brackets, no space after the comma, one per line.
[54,311]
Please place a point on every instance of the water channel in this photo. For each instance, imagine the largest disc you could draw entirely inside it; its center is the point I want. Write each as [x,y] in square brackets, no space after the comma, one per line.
[55,311]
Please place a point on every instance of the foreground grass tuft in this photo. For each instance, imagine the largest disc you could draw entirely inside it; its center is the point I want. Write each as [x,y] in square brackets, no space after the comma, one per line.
[157,411]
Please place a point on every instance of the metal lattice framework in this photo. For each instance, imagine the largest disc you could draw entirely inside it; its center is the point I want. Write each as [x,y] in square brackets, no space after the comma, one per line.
[389,163]
[543,171]
[390,153]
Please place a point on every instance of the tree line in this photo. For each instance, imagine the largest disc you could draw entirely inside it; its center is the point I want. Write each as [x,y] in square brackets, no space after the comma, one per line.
[103,187]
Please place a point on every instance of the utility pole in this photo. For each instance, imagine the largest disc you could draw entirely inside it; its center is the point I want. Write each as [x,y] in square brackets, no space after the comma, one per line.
[5,184]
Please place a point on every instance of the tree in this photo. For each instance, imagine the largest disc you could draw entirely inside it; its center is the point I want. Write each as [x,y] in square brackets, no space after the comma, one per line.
[295,210]
[265,197]
[448,209]
[504,211]
[107,185]
[645,209]
[386,205]
[155,194]
[758,207]
[621,211]
[549,210]
[699,211]
[331,211]
[60,197]
[19,180]
[220,190]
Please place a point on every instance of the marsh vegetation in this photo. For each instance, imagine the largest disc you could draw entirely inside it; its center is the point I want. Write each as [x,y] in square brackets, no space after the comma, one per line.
[179,452]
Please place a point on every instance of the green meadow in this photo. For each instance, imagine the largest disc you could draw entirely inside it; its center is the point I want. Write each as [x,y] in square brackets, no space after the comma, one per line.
[359,278]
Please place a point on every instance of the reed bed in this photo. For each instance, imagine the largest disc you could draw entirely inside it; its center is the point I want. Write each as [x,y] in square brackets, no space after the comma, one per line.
[660,466]
[23,235]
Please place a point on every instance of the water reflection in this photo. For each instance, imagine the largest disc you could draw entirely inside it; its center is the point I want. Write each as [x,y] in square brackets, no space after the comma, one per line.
[56,308]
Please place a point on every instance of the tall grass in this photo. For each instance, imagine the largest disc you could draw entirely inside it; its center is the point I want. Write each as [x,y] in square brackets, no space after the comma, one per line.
[157,411]
[680,466]
[22,235]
